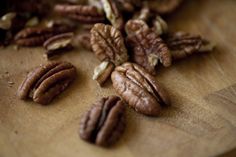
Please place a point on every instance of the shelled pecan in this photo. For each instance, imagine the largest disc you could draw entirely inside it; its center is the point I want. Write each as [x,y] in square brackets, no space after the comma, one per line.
[81,13]
[139,89]
[58,43]
[47,81]
[104,123]
[103,72]
[108,44]
[35,36]
[148,49]
[113,14]
[133,27]
[163,6]
[183,44]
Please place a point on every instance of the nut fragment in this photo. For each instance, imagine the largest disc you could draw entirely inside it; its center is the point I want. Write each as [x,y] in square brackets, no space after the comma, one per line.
[160,26]
[147,49]
[58,43]
[81,13]
[139,89]
[133,27]
[163,6]
[144,14]
[104,123]
[184,44]
[36,36]
[47,81]
[103,72]
[112,13]
[108,44]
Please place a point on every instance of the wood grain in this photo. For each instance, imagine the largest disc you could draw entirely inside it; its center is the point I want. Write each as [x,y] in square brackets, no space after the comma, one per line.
[200,122]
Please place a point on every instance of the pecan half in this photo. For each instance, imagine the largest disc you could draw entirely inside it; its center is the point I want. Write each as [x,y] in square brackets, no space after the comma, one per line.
[36,36]
[133,27]
[81,13]
[184,44]
[58,43]
[108,44]
[103,72]
[104,123]
[113,13]
[147,49]
[139,89]
[47,81]
[163,6]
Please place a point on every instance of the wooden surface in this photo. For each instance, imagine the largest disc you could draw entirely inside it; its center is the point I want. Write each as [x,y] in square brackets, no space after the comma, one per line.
[200,122]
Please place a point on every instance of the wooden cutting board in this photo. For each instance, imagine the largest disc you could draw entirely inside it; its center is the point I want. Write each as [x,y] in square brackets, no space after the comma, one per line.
[200,122]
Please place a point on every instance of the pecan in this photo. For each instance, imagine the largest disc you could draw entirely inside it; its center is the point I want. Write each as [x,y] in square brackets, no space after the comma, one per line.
[104,123]
[160,26]
[58,43]
[128,5]
[144,14]
[134,26]
[184,44]
[81,13]
[83,40]
[139,89]
[147,49]
[47,81]
[103,72]
[163,6]
[36,36]
[113,13]
[108,44]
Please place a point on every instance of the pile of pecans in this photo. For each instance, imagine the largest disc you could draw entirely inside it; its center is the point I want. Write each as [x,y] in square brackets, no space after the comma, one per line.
[129,37]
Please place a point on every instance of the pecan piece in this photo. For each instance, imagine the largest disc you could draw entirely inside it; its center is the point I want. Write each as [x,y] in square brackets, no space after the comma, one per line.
[163,6]
[183,44]
[36,36]
[147,49]
[81,13]
[112,13]
[139,89]
[134,26]
[47,81]
[160,26]
[104,123]
[108,44]
[103,72]
[58,43]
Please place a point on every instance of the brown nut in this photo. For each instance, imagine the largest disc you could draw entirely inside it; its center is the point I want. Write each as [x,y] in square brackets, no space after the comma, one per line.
[103,72]
[113,13]
[163,6]
[47,81]
[108,44]
[133,27]
[36,36]
[58,43]
[81,13]
[183,44]
[139,89]
[104,123]
[147,49]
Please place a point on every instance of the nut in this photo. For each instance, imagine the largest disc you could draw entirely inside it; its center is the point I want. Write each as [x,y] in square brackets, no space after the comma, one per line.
[144,14]
[36,36]
[160,26]
[184,44]
[104,123]
[47,81]
[147,49]
[112,13]
[108,44]
[58,43]
[81,13]
[103,72]
[139,89]
[133,27]
[163,6]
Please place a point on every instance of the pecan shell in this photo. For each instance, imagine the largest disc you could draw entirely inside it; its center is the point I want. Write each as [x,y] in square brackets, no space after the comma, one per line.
[47,81]
[147,49]
[183,44]
[104,123]
[81,13]
[108,44]
[36,36]
[139,89]
[113,14]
